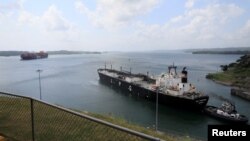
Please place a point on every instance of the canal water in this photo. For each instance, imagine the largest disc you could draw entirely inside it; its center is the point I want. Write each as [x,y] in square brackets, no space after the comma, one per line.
[72,81]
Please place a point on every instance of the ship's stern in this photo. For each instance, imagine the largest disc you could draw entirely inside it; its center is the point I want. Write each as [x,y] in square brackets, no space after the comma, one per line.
[201,101]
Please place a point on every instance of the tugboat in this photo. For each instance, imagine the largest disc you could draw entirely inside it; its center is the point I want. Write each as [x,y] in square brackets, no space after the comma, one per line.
[226,112]
[33,55]
[172,88]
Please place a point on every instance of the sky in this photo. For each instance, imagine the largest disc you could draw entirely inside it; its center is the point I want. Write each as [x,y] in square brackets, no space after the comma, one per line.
[123,25]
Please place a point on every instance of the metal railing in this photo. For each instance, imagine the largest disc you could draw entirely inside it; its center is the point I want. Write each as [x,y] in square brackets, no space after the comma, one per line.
[27,119]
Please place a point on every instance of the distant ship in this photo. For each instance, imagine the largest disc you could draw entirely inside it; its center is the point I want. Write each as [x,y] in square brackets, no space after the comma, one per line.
[172,88]
[34,55]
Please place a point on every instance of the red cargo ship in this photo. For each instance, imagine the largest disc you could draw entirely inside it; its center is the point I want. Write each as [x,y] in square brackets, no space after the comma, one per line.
[33,55]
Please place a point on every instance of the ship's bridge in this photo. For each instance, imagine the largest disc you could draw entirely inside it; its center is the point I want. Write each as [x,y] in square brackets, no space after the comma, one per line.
[175,82]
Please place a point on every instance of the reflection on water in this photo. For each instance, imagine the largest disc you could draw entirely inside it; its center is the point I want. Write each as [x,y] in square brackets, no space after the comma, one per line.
[72,81]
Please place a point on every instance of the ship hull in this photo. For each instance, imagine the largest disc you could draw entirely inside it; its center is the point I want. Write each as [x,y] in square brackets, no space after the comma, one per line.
[137,91]
[31,56]
[212,111]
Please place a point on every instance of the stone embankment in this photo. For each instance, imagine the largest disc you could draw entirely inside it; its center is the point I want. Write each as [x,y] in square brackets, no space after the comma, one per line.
[241,93]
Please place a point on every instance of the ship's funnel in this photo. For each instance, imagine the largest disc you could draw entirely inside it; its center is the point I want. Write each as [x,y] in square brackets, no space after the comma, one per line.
[184,75]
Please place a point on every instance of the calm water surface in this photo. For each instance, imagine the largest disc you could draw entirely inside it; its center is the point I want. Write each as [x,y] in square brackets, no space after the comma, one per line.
[72,81]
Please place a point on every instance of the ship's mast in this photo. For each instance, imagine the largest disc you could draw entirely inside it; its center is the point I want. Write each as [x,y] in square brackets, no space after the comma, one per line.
[172,67]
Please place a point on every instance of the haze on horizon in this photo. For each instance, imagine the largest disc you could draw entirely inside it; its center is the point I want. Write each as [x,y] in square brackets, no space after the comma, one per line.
[123,25]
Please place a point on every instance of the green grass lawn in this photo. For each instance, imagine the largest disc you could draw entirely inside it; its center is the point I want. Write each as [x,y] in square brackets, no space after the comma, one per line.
[54,124]
[234,77]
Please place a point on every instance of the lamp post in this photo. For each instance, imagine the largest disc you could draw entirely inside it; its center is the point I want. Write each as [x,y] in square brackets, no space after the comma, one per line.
[40,89]
[156,110]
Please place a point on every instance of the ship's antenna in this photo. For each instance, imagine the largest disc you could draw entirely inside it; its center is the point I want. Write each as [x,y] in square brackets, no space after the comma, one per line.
[111,66]
[147,75]
[121,68]
[174,67]
[105,65]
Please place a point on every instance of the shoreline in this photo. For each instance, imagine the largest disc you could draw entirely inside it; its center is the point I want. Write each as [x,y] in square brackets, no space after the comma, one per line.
[235,90]
[222,83]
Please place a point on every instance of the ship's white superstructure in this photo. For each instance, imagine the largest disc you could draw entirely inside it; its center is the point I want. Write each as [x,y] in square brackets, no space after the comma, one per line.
[173,83]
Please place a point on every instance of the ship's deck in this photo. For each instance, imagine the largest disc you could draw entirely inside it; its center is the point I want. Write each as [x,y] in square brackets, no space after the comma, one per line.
[134,79]
[141,80]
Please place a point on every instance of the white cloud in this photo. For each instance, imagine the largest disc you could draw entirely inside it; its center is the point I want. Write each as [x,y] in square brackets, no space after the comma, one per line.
[207,23]
[245,30]
[241,36]
[195,28]
[28,18]
[189,3]
[10,6]
[115,13]
[51,26]
[7,10]
[52,19]
[4,17]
